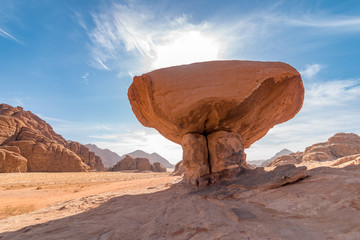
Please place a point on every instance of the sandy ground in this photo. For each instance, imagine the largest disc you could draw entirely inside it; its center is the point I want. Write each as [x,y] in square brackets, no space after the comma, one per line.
[48,196]
[325,205]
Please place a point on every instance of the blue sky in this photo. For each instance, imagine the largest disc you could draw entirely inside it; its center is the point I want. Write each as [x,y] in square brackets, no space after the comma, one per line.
[71,62]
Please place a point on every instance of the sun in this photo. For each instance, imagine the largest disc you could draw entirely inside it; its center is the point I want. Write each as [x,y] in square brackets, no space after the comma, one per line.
[188,48]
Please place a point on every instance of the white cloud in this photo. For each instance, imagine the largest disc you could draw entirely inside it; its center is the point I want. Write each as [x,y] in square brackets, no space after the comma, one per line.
[52,119]
[332,93]
[334,21]
[310,70]
[7,35]
[85,78]
[136,31]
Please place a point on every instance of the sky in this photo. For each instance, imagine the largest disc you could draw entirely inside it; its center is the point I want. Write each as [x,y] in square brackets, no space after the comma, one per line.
[72,61]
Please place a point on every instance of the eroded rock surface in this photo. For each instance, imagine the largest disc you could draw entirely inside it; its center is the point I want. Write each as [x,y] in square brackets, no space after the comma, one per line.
[241,99]
[157,167]
[25,138]
[179,169]
[332,152]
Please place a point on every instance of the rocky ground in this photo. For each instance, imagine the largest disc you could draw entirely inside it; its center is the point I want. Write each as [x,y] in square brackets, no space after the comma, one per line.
[289,203]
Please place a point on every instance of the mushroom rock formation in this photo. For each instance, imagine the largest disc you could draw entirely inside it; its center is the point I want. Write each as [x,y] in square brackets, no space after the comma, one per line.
[216,109]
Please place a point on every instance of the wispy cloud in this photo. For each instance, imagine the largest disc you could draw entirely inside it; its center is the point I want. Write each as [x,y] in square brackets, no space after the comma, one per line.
[52,119]
[149,37]
[335,21]
[135,31]
[7,35]
[85,78]
[310,70]
[333,93]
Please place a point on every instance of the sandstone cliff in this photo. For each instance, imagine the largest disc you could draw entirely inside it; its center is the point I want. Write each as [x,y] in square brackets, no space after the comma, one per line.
[29,144]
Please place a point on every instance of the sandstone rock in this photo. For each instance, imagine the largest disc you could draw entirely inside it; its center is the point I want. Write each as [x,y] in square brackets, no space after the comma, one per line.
[242,97]
[338,146]
[139,164]
[347,161]
[157,167]
[128,163]
[89,158]
[24,133]
[12,162]
[15,149]
[293,158]
[226,153]
[179,169]
[143,164]
[195,158]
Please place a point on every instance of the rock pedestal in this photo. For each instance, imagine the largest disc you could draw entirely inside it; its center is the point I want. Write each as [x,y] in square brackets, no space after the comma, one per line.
[208,159]
[216,109]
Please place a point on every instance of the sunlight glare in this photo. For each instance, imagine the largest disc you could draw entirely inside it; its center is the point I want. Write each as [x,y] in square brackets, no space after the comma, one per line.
[191,47]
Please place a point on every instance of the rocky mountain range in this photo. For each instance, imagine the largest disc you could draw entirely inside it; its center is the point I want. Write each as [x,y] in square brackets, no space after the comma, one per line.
[29,144]
[342,149]
[110,158]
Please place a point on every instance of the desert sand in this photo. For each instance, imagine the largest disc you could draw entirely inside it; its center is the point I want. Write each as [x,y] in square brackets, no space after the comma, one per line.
[32,198]
[322,204]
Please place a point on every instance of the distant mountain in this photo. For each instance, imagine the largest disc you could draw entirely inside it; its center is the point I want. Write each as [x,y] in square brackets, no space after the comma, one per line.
[153,157]
[264,163]
[108,157]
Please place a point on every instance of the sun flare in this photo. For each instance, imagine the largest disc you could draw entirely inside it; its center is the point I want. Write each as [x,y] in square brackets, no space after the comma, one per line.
[190,47]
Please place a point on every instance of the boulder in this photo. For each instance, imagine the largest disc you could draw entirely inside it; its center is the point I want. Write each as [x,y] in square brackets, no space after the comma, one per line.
[12,162]
[243,98]
[143,164]
[127,163]
[179,169]
[157,167]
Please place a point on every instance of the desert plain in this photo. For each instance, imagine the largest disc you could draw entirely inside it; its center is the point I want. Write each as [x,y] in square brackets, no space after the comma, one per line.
[37,197]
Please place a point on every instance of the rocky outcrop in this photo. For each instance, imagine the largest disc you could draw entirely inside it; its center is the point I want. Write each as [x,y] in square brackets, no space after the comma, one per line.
[238,99]
[157,167]
[138,164]
[338,146]
[264,163]
[153,157]
[88,157]
[179,169]
[11,161]
[24,137]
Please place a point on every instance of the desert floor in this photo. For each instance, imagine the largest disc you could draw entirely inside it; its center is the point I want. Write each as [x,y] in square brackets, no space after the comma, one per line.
[32,198]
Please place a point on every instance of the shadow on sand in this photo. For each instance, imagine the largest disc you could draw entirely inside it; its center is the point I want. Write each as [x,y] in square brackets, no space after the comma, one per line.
[254,206]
